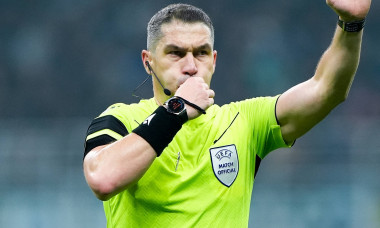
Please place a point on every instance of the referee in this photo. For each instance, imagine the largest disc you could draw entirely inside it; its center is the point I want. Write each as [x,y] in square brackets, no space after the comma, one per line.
[179,160]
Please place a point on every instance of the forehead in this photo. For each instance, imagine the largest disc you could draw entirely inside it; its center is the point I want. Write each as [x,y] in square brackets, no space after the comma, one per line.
[186,35]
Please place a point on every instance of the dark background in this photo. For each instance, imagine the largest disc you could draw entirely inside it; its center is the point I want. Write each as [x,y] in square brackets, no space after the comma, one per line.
[63,62]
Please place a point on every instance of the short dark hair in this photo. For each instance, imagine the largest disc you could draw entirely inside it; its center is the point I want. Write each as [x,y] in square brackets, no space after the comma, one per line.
[182,12]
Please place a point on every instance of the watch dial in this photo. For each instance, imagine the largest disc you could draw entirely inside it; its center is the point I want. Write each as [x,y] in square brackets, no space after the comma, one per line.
[176,105]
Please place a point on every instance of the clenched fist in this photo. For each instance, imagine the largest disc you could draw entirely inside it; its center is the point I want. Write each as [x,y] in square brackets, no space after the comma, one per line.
[196,91]
[350,10]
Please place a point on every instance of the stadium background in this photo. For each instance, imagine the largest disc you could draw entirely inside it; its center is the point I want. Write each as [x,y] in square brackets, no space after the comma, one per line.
[64,62]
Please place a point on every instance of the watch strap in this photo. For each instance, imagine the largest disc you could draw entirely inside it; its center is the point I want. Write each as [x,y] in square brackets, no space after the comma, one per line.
[193,105]
[354,26]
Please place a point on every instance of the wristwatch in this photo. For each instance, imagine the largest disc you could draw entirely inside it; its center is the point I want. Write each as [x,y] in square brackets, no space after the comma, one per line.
[354,26]
[176,105]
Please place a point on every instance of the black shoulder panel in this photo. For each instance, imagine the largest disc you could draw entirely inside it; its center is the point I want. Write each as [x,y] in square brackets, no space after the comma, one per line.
[104,122]
[258,161]
[107,122]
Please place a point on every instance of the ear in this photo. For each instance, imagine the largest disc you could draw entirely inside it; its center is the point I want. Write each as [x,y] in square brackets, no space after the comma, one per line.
[215,54]
[146,56]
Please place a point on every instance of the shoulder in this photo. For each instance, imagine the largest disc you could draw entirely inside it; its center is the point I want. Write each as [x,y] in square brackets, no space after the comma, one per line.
[254,105]
[123,111]
[115,122]
[115,109]
[123,116]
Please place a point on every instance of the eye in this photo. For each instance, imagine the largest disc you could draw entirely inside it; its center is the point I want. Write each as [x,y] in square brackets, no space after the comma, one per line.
[202,53]
[176,53]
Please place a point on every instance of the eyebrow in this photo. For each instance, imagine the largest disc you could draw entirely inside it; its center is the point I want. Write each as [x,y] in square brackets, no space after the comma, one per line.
[173,47]
[177,48]
[204,47]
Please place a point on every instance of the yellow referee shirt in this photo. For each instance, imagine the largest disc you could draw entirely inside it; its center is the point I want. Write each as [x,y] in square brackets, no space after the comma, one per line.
[205,176]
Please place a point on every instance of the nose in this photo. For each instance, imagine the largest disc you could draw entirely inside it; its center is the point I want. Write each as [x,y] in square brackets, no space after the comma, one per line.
[189,65]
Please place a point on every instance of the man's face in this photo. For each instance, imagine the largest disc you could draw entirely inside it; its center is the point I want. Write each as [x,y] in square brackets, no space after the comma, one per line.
[184,51]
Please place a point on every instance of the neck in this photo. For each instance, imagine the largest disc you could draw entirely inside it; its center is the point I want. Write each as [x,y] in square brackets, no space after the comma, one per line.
[158,102]
[159,96]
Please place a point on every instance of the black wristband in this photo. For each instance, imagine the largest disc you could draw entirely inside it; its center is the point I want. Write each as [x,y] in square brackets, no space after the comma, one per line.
[159,129]
[354,26]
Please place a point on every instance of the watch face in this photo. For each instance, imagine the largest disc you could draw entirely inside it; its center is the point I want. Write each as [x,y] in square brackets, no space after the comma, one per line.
[176,105]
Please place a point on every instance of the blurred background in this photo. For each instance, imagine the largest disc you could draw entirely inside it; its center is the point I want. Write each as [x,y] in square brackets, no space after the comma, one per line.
[63,62]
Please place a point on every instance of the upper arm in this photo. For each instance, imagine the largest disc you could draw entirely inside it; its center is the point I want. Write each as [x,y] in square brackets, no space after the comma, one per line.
[306,104]
[114,158]
[302,107]
[102,131]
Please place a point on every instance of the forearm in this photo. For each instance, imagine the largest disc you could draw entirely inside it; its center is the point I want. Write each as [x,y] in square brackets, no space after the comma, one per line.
[337,67]
[112,168]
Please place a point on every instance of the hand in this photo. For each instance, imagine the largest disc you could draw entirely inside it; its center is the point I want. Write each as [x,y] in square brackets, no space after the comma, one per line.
[350,10]
[195,90]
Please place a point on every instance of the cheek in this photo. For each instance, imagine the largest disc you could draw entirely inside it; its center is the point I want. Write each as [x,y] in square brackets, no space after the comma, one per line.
[207,77]
[209,80]
[171,79]
[210,73]
[167,74]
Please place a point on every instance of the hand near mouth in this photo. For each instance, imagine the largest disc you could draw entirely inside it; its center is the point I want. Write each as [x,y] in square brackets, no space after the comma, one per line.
[195,90]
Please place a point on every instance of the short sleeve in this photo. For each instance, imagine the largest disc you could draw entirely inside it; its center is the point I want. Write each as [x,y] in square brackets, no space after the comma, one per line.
[106,128]
[261,114]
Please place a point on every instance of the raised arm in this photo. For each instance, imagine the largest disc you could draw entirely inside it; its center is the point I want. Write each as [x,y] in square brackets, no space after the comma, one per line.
[306,104]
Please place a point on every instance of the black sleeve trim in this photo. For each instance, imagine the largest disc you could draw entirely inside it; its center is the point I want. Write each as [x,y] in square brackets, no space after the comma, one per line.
[107,122]
[278,123]
[257,164]
[275,110]
[97,141]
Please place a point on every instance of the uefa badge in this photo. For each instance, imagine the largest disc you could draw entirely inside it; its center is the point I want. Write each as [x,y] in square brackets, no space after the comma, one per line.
[225,163]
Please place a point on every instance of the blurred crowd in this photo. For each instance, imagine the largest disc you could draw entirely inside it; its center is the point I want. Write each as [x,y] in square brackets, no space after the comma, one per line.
[63,62]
